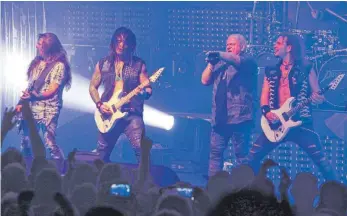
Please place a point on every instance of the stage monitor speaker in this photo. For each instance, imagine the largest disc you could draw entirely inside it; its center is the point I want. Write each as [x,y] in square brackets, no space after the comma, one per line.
[161,175]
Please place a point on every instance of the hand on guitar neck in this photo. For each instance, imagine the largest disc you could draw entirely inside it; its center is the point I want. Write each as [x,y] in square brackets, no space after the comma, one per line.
[316,97]
[106,110]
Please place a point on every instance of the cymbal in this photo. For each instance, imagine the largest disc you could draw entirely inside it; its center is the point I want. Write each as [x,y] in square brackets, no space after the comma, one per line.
[295,31]
[266,19]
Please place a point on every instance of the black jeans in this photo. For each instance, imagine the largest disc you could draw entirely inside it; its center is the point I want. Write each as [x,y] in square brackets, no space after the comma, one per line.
[303,136]
[239,134]
[133,127]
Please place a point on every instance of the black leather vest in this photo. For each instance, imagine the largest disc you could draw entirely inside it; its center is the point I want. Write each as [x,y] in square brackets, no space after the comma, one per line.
[131,79]
[299,87]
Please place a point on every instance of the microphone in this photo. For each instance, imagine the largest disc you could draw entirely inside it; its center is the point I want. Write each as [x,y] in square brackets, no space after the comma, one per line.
[213,55]
[213,58]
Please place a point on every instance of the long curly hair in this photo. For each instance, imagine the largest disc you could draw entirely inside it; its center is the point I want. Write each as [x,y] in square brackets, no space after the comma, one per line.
[130,39]
[297,52]
[55,52]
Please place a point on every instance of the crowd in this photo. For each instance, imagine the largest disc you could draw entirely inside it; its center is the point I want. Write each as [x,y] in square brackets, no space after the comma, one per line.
[39,188]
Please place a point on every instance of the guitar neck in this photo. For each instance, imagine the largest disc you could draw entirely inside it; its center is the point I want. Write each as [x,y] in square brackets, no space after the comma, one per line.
[307,101]
[298,107]
[126,98]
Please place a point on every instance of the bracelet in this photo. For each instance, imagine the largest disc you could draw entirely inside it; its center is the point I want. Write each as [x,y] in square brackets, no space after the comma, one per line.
[265,109]
[210,67]
[98,104]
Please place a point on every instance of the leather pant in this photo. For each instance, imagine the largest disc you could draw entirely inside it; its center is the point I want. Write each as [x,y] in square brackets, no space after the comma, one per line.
[303,136]
[238,134]
[133,127]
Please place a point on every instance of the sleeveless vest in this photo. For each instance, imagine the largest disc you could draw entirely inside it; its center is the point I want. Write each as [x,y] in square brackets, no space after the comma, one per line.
[299,88]
[131,79]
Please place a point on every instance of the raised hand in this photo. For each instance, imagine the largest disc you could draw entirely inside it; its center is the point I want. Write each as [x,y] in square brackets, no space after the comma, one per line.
[64,204]
[268,163]
[24,201]
[285,181]
[99,164]
[71,156]
[146,142]
[7,120]
[212,57]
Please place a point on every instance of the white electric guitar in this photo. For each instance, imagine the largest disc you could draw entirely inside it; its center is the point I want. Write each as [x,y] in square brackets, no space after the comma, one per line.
[106,122]
[277,131]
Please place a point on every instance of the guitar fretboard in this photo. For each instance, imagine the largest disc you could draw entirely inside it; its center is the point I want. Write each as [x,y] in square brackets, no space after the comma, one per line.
[126,98]
[298,107]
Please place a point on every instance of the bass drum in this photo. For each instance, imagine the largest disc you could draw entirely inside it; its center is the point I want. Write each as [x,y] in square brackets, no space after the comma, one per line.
[266,59]
[328,72]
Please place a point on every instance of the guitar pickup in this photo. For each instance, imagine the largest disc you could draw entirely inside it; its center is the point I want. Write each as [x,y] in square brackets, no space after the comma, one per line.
[114,108]
[276,125]
[280,128]
[285,116]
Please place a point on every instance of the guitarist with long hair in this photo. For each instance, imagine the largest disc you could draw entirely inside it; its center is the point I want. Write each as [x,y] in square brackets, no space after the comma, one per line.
[291,77]
[48,74]
[121,71]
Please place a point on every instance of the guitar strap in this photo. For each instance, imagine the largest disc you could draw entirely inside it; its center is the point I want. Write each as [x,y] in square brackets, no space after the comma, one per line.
[37,86]
[40,81]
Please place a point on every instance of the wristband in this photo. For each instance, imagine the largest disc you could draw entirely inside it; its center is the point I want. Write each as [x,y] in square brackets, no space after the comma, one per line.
[145,94]
[98,104]
[265,109]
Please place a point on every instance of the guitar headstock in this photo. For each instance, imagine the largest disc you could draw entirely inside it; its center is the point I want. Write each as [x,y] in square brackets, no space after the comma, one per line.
[336,82]
[156,74]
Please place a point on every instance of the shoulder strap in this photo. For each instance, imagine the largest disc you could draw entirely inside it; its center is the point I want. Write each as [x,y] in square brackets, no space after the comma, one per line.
[40,81]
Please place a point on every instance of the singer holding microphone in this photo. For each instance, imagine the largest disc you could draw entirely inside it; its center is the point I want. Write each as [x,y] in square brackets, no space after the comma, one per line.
[234,78]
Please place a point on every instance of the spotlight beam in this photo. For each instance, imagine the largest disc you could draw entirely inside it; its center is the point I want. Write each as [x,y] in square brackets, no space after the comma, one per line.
[77,98]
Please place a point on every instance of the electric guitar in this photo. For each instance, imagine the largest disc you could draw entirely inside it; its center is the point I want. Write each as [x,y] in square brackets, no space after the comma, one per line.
[106,122]
[277,131]
[19,117]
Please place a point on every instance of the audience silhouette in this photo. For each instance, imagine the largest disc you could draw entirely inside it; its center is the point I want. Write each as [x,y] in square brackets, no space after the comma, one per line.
[36,187]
